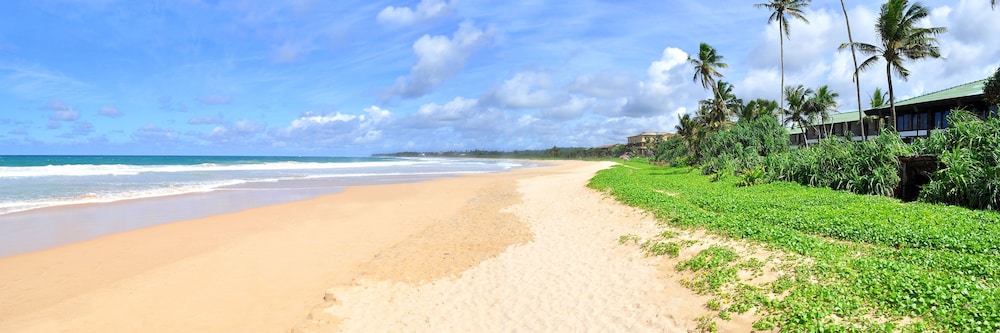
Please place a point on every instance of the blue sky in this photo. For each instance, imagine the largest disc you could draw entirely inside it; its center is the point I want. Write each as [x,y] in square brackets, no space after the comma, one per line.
[350,78]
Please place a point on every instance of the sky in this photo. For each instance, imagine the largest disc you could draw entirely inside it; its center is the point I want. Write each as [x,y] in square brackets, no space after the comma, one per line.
[354,78]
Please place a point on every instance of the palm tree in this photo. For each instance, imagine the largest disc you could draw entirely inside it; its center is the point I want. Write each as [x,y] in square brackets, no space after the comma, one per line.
[857,81]
[877,98]
[717,112]
[780,10]
[797,112]
[756,109]
[689,128]
[901,39]
[819,104]
[707,66]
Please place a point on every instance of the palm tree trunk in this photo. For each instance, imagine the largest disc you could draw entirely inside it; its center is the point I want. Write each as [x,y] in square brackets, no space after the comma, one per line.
[857,80]
[781,48]
[892,97]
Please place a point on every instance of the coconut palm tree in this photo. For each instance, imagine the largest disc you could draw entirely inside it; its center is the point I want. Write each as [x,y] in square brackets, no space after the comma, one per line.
[757,109]
[901,39]
[877,98]
[689,129]
[857,81]
[716,113]
[818,105]
[797,112]
[706,67]
[780,10]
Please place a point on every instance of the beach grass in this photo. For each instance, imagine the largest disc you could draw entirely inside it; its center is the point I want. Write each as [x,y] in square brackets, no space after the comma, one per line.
[850,262]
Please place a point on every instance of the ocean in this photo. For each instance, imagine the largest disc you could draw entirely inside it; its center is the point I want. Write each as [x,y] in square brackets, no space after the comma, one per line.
[106,194]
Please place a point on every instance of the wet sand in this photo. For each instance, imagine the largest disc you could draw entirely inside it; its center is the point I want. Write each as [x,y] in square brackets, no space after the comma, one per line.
[531,249]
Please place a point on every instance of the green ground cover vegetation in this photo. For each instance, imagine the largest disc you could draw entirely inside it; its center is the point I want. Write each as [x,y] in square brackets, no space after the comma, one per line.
[872,263]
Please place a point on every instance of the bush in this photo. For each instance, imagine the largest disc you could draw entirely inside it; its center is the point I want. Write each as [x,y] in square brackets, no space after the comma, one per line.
[968,150]
[743,146]
[673,151]
[868,167]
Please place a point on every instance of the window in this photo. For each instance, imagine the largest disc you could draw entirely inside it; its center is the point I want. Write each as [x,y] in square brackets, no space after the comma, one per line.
[939,119]
[920,121]
[903,123]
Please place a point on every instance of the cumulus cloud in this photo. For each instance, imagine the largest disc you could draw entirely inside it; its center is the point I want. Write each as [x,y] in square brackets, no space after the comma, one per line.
[215,99]
[603,85]
[110,112]
[459,108]
[62,112]
[336,128]
[426,10]
[239,132]
[571,109]
[524,90]
[439,58]
[667,81]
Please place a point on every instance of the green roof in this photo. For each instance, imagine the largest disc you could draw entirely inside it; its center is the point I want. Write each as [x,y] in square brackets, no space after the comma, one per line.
[835,118]
[973,88]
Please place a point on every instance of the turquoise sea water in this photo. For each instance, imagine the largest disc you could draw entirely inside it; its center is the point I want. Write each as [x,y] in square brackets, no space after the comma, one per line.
[33,182]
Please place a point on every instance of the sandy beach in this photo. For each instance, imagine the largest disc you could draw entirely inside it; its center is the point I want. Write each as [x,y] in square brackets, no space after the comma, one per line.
[527,250]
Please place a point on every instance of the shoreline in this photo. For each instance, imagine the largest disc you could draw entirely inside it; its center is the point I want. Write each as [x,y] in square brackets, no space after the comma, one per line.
[530,249]
[283,256]
[48,227]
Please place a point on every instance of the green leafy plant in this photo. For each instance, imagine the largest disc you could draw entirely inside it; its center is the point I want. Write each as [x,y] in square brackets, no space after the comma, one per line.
[868,256]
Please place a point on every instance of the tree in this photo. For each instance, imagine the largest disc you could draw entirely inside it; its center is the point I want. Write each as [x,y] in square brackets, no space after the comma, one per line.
[780,10]
[756,109]
[991,89]
[818,105]
[877,98]
[706,67]
[716,112]
[690,129]
[901,39]
[857,80]
[797,112]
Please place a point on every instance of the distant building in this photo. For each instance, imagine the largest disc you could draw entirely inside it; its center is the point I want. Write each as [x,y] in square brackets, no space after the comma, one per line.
[642,141]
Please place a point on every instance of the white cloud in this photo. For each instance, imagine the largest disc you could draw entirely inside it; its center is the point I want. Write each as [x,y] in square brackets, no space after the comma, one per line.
[459,108]
[571,109]
[65,115]
[335,129]
[524,90]
[426,10]
[110,112]
[308,121]
[667,82]
[439,58]
[603,85]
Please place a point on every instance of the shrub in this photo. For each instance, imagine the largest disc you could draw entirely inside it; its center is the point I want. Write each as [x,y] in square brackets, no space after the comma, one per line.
[673,151]
[743,146]
[968,150]
[868,167]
